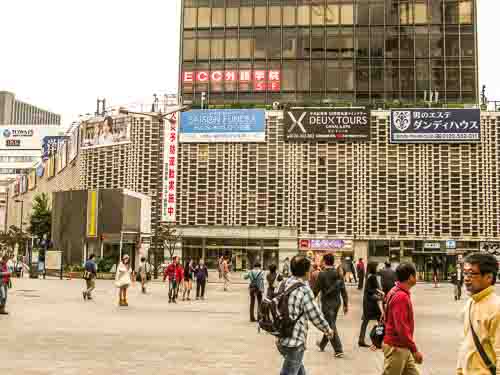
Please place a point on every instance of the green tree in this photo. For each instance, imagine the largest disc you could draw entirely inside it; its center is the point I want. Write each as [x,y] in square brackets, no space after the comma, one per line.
[41,217]
[13,237]
[167,236]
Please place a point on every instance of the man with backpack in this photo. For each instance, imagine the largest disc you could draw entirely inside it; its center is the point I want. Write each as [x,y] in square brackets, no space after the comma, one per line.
[256,288]
[333,295]
[299,308]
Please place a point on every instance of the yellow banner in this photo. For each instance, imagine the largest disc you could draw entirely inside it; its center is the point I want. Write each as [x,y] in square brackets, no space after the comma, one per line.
[92,214]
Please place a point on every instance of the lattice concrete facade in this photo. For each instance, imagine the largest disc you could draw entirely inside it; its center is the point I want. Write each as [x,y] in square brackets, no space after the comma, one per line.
[361,191]
[136,166]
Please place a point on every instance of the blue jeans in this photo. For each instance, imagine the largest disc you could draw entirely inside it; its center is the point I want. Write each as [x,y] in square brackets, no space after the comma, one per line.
[292,360]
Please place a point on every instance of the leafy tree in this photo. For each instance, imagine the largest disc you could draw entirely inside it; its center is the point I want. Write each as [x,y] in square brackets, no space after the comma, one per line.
[168,238]
[13,237]
[41,217]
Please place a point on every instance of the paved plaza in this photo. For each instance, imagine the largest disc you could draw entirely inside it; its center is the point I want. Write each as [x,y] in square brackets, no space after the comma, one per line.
[51,330]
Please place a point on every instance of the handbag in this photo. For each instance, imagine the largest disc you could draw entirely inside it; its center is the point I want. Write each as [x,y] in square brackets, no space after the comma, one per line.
[87,275]
[377,333]
[484,356]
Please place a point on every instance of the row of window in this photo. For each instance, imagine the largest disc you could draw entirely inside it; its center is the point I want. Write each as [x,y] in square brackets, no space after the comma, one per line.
[333,76]
[364,13]
[301,43]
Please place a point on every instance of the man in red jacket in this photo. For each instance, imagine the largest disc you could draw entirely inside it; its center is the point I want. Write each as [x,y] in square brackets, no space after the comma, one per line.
[400,351]
[171,273]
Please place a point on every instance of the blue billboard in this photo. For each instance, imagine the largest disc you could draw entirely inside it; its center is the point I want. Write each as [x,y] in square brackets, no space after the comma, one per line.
[436,126]
[224,125]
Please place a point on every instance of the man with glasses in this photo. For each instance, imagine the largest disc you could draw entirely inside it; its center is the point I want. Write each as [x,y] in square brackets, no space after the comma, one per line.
[479,352]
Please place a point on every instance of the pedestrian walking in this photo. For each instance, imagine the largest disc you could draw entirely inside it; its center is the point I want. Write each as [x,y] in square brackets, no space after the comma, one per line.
[354,272]
[225,273]
[4,283]
[301,309]
[170,273]
[89,275]
[372,302]
[201,274]
[256,288]
[387,278]
[188,280]
[285,270]
[457,279]
[360,269]
[313,276]
[400,351]
[144,274]
[436,265]
[123,279]
[273,279]
[333,296]
[179,278]
[479,352]
[348,270]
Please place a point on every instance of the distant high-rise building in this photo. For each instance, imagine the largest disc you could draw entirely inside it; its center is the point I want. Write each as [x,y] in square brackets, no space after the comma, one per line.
[16,112]
[329,51]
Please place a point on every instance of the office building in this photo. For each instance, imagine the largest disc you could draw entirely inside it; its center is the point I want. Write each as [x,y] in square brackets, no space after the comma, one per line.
[373,198]
[16,112]
[340,52]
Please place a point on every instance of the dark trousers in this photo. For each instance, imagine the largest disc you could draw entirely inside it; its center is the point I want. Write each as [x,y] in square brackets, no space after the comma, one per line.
[200,288]
[362,333]
[255,293]
[458,289]
[361,280]
[331,317]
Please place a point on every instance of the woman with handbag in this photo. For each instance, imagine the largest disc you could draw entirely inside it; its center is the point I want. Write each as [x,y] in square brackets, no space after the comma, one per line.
[372,302]
[123,279]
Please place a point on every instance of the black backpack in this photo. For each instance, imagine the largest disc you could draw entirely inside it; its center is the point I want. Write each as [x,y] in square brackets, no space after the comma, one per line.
[274,316]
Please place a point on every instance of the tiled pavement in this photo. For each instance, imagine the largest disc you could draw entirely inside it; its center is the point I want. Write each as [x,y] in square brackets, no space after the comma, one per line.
[51,330]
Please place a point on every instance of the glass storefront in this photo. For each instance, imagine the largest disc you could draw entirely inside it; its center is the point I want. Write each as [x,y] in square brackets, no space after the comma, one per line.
[243,253]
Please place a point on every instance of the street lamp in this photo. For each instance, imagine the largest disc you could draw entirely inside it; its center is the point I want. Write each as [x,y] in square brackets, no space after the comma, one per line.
[22,205]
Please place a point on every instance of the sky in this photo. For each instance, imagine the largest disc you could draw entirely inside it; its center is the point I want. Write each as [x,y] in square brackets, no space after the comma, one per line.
[63,54]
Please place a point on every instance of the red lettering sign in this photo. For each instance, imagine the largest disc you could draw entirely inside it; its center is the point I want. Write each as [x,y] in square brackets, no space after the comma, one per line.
[259,75]
[188,77]
[216,76]
[259,86]
[245,75]
[230,76]
[202,76]
[274,76]
[274,86]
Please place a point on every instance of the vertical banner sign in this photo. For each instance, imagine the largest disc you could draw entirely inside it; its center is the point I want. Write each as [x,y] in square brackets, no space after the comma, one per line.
[92,204]
[169,206]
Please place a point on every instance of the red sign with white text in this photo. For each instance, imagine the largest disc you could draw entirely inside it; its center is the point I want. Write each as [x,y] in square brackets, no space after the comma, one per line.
[262,80]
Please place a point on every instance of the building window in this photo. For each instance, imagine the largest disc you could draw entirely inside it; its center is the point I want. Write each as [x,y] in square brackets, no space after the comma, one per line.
[232,16]
[289,16]
[189,49]
[275,16]
[332,14]
[347,14]
[465,12]
[246,16]
[289,43]
[303,15]
[203,17]
[318,15]
[189,18]
[260,16]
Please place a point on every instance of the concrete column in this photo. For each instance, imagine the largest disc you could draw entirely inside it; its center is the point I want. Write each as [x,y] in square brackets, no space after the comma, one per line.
[203,248]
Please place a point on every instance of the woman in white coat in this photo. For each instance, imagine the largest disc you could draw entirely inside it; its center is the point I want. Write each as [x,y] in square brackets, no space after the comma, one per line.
[123,279]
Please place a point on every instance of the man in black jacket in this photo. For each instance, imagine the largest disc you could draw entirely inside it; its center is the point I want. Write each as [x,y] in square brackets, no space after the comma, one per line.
[388,278]
[333,295]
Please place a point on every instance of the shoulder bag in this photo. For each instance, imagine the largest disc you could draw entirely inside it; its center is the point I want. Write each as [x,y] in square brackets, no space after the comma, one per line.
[377,334]
[484,356]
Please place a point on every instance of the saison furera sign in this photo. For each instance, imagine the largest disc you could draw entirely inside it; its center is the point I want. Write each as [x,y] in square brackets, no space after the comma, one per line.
[348,125]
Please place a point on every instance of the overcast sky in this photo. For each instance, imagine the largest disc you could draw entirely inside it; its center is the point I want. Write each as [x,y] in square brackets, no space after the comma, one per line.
[62,54]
